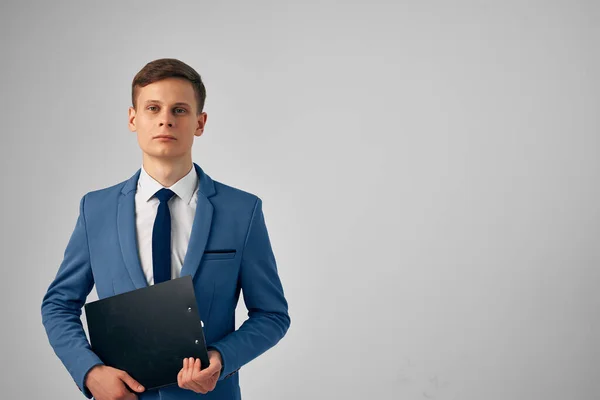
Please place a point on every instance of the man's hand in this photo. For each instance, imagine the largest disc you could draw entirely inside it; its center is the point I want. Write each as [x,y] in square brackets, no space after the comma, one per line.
[108,383]
[200,381]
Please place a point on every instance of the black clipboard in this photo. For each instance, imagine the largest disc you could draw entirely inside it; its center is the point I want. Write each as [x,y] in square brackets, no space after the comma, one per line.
[148,332]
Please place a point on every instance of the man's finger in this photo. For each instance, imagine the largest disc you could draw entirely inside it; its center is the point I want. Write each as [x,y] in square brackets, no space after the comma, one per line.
[132,383]
[198,377]
[210,369]
[184,374]
[198,373]
[179,375]
[186,370]
[188,374]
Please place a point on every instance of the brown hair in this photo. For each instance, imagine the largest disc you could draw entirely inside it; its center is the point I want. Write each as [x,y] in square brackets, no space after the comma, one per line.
[168,68]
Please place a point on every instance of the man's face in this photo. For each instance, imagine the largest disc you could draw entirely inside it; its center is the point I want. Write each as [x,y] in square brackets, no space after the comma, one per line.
[166,108]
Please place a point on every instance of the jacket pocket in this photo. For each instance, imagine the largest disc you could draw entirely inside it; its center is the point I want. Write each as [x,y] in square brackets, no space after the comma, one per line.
[218,254]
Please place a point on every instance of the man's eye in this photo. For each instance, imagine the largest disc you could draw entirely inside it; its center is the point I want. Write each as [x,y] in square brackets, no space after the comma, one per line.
[182,109]
[149,107]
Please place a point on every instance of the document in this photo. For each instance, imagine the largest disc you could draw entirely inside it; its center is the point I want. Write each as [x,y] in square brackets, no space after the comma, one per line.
[148,332]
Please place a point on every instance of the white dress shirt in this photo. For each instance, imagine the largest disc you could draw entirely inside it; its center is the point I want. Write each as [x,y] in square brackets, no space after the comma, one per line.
[182,207]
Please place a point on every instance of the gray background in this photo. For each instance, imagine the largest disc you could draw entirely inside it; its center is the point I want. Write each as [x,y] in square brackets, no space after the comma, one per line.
[429,172]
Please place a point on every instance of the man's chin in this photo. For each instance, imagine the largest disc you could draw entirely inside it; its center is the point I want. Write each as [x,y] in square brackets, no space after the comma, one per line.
[164,153]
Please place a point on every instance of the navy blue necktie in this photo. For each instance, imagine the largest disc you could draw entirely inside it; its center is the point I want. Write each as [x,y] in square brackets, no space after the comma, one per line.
[161,238]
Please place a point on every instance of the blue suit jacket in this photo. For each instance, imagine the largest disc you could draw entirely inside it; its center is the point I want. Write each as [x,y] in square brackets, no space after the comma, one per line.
[102,250]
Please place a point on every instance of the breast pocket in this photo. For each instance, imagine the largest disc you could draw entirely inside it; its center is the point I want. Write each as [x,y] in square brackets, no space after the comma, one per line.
[218,254]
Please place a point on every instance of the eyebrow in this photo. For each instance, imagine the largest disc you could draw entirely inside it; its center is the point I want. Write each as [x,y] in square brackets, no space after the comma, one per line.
[160,102]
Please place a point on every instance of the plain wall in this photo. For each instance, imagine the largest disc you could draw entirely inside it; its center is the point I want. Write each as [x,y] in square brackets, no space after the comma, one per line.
[429,174]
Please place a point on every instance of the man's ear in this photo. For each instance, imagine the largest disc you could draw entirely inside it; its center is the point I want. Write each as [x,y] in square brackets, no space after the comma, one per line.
[202,117]
[131,119]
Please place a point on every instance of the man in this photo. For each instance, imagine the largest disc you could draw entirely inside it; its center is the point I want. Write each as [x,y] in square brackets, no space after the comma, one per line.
[168,220]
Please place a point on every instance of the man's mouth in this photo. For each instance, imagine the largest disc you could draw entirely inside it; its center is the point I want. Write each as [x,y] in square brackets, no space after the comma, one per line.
[165,137]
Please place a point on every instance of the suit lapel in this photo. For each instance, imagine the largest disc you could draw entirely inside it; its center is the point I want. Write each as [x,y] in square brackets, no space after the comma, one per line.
[201,225]
[198,238]
[127,234]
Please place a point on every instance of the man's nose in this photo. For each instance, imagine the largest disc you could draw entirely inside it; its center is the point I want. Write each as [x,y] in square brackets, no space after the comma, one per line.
[166,119]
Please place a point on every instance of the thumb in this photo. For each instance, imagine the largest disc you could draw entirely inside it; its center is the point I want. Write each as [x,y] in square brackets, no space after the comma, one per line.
[132,383]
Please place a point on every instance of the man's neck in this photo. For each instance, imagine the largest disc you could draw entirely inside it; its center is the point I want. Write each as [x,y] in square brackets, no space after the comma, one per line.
[167,171]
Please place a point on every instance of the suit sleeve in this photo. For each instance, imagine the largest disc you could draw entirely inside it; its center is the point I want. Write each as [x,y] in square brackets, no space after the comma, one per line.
[62,303]
[268,318]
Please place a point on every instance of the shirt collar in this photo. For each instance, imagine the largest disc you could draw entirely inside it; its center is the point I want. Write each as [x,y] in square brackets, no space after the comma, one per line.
[184,187]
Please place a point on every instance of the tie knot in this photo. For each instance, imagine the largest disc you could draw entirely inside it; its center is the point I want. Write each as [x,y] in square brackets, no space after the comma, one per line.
[164,195]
